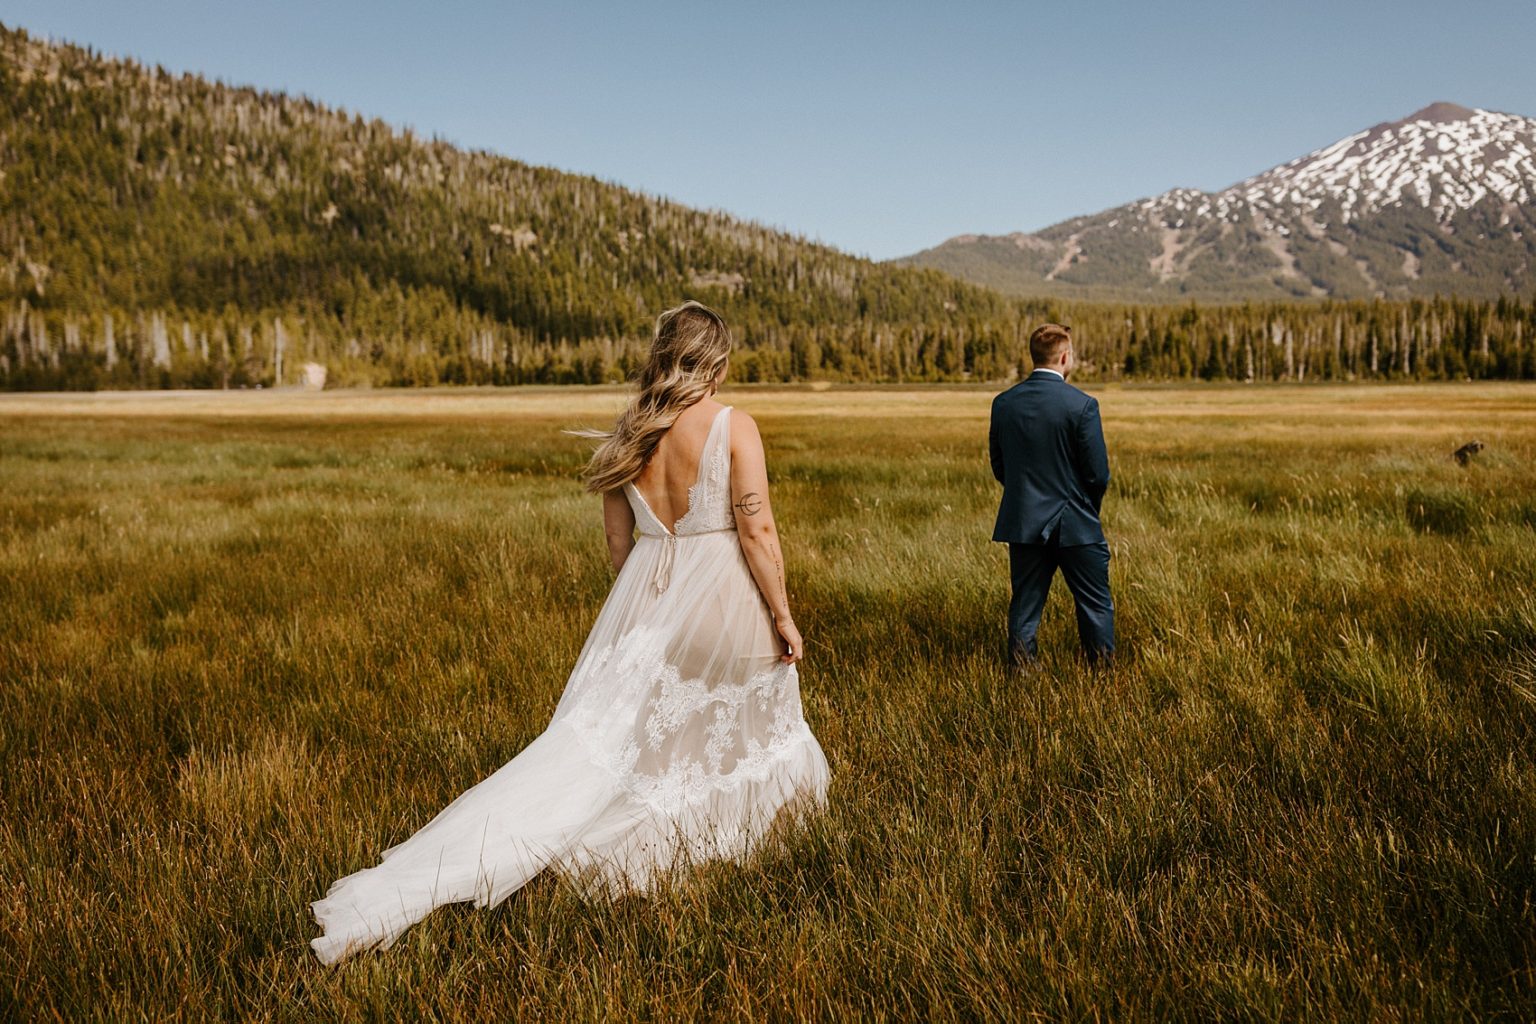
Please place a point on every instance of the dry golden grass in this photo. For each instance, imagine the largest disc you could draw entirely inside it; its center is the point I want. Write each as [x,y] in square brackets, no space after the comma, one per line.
[247,640]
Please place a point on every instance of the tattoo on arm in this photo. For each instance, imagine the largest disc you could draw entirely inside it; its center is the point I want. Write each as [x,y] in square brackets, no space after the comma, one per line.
[750,504]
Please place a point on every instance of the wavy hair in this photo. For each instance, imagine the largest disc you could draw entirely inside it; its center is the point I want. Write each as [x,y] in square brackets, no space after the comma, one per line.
[690,349]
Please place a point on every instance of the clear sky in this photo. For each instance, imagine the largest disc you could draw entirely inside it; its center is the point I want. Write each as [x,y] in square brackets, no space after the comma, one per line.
[882,127]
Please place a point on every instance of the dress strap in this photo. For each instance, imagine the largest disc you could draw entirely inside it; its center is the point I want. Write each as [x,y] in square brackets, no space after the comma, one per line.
[719,433]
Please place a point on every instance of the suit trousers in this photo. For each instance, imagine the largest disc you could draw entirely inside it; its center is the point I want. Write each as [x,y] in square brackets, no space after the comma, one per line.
[1085,567]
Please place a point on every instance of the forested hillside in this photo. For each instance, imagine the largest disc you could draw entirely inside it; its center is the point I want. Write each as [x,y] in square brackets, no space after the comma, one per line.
[161,230]
[195,215]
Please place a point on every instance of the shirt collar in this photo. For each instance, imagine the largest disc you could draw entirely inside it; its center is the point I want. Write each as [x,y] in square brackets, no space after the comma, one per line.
[1047,369]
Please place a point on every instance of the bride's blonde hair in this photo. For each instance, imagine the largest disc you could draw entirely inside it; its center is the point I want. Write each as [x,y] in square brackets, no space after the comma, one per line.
[687,355]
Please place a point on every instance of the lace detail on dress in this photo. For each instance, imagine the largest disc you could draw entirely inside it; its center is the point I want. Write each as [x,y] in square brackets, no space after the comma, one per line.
[674,741]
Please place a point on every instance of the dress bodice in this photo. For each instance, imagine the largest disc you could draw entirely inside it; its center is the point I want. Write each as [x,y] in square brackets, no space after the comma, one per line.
[709,499]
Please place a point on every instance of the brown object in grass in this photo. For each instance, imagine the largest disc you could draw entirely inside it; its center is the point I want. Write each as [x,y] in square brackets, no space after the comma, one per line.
[1463,455]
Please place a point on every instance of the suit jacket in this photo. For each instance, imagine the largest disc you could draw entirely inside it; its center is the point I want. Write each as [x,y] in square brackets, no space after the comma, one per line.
[1047,448]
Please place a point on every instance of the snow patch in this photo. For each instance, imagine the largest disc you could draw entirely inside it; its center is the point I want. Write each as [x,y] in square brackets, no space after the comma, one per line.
[1445,166]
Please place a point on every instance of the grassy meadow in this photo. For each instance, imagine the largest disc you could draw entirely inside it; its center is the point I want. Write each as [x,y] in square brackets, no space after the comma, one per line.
[249,639]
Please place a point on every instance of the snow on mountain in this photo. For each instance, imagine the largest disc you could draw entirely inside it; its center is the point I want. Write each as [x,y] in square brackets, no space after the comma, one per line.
[1442,201]
[1444,158]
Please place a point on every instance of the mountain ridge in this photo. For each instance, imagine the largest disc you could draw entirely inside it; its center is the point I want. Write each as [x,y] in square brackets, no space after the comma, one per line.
[1437,202]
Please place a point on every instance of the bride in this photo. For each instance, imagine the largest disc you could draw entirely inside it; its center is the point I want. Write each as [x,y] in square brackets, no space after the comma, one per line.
[679,735]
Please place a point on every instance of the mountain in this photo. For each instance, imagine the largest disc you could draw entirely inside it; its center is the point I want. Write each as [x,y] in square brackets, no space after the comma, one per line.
[162,228]
[1443,201]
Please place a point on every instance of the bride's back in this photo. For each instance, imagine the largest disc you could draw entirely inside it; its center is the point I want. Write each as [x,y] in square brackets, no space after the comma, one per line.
[674,466]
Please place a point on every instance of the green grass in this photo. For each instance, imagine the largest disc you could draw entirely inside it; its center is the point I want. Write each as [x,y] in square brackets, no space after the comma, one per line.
[248,641]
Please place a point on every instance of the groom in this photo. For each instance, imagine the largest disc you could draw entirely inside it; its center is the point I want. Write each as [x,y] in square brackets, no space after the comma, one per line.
[1048,452]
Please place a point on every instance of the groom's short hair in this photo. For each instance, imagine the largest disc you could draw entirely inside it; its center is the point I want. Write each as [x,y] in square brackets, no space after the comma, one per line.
[1047,341]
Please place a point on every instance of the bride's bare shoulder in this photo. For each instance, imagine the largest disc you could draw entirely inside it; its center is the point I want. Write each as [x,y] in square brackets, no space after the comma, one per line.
[699,414]
[745,438]
[692,423]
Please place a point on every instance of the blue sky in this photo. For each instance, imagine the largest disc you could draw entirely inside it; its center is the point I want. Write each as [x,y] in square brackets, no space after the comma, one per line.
[882,128]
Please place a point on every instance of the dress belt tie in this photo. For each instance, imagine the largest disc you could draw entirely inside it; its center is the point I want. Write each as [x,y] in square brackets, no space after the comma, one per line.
[663,576]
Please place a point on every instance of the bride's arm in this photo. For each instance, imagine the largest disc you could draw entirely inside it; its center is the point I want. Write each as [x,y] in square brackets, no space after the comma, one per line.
[618,526]
[755,526]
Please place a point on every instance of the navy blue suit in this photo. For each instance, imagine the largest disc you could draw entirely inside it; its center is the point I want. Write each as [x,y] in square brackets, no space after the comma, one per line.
[1047,449]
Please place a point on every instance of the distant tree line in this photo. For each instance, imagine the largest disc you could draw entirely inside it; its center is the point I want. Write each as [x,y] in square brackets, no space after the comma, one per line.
[404,339]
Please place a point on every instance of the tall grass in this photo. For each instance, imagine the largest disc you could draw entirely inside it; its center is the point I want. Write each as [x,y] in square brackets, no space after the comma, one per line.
[245,647]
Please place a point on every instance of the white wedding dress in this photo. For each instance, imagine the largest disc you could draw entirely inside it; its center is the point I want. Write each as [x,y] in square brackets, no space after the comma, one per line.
[678,738]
